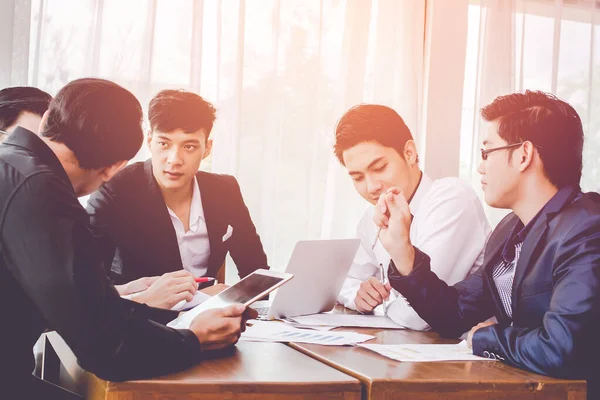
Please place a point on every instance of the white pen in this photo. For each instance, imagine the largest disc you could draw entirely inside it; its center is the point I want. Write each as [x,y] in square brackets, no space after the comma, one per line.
[384,303]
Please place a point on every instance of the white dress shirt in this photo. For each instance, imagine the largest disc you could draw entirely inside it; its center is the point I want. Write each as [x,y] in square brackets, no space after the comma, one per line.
[194,247]
[449,225]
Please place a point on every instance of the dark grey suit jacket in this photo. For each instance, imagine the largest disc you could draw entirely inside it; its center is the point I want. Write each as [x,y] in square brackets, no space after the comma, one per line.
[132,224]
[52,278]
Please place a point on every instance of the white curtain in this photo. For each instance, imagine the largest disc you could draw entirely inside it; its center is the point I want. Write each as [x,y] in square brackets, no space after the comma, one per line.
[280,72]
[550,45]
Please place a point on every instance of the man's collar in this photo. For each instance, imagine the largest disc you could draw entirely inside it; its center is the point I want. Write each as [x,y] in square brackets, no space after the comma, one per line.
[28,140]
[196,211]
[420,193]
[520,231]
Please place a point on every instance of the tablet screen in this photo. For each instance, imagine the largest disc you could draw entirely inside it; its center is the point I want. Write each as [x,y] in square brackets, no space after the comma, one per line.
[242,292]
[246,289]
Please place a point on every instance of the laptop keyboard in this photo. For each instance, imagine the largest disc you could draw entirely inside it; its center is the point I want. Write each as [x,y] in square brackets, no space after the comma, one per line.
[262,311]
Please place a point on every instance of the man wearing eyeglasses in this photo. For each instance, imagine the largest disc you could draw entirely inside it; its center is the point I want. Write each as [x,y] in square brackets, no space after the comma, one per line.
[541,272]
[21,106]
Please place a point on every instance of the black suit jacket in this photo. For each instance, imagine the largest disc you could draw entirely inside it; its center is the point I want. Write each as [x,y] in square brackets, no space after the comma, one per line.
[132,224]
[555,328]
[52,278]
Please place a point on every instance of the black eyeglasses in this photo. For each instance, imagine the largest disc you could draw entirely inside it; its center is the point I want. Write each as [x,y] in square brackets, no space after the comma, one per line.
[485,152]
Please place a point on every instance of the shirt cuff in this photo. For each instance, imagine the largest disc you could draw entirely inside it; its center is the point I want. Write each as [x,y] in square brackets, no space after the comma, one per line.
[484,343]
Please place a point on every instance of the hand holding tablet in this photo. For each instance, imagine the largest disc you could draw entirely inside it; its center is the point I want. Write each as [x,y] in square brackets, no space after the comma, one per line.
[253,287]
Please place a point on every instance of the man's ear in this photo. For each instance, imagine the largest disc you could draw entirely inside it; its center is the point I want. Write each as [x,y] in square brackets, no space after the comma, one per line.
[410,152]
[107,173]
[208,148]
[524,156]
[148,138]
[43,121]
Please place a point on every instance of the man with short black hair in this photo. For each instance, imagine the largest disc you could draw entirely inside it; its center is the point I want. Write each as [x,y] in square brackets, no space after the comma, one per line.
[377,149]
[541,273]
[51,275]
[21,106]
[166,221]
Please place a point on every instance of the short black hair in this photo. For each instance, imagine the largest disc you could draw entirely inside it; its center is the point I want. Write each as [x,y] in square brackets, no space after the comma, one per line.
[370,122]
[550,124]
[100,121]
[171,110]
[19,99]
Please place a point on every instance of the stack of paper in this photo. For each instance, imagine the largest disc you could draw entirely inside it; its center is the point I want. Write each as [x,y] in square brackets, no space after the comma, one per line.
[185,320]
[198,298]
[271,331]
[425,352]
[302,326]
[349,320]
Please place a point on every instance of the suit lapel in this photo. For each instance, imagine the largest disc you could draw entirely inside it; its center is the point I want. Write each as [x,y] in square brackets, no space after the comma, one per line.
[493,252]
[167,245]
[210,205]
[533,241]
[536,237]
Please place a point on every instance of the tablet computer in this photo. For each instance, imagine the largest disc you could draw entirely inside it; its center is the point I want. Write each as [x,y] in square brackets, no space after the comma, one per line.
[253,287]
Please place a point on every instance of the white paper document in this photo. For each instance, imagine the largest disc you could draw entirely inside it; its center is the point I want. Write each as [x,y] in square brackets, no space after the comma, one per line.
[350,320]
[185,320]
[272,331]
[302,326]
[198,298]
[426,352]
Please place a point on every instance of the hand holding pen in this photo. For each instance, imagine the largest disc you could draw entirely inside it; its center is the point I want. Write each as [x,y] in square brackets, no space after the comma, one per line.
[386,285]
[371,294]
[382,212]
[393,218]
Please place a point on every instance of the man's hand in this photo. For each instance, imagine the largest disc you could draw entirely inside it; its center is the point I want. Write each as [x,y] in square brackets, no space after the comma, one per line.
[220,328]
[136,286]
[214,289]
[168,290]
[371,294]
[392,215]
[475,329]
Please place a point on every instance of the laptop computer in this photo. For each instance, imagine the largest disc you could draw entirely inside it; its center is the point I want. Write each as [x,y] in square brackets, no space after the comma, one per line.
[320,268]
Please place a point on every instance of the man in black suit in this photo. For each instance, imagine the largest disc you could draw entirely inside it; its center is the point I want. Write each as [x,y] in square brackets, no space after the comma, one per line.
[51,276]
[541,272]
[164,217]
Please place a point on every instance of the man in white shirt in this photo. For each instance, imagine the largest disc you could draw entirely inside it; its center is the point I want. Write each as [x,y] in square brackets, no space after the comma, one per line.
[449,224]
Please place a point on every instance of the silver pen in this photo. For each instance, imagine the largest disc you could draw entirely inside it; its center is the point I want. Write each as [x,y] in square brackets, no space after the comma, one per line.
[384,303]
[376,238]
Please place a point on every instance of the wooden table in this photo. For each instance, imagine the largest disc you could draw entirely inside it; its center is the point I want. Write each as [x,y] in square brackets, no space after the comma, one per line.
[384,378]
[254,371]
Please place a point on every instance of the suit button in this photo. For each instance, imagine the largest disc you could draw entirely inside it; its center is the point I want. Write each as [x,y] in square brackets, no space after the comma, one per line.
[486,354]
